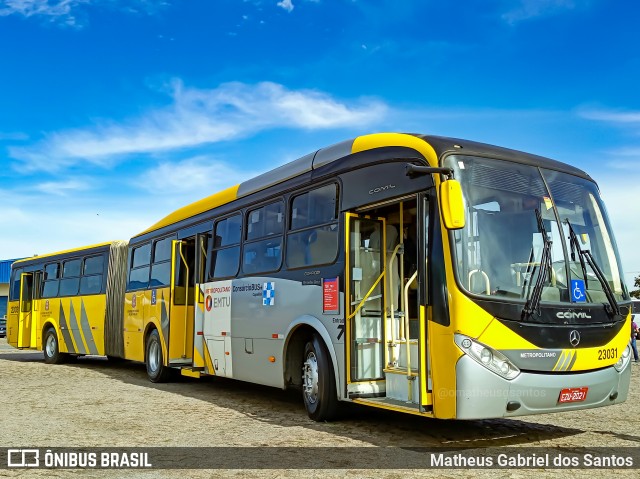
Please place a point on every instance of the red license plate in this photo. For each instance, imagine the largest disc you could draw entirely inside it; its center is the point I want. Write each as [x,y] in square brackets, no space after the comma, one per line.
[573,395]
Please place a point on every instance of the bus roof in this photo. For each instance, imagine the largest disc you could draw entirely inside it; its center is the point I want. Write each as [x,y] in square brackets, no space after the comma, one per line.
[430,147]
[67,252]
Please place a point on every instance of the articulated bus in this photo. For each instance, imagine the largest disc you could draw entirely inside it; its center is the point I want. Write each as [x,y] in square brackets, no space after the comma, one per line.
[58,302]
[428,275]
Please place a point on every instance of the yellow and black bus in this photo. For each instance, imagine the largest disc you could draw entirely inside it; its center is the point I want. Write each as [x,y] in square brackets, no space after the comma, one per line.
[429,275]
[58,302]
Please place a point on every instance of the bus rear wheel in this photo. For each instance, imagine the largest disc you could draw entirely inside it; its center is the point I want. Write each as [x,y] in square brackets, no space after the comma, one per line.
[318,382]
[156,370]
[51,348]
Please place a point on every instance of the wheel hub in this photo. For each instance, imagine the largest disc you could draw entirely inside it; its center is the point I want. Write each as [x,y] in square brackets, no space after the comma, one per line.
[310,378]
[51,346]
[154,356]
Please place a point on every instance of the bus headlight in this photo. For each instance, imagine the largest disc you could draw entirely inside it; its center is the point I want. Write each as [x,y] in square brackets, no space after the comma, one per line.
[624,359]
[488,357]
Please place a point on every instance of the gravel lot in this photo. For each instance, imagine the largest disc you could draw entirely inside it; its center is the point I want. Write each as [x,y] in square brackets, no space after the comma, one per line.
[92,402]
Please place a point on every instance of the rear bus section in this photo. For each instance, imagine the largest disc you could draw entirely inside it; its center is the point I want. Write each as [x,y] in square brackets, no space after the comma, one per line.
[58,302]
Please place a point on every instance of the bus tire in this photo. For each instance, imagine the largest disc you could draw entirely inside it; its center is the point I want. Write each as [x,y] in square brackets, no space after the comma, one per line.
[51,348]
[156,370]
[318,382]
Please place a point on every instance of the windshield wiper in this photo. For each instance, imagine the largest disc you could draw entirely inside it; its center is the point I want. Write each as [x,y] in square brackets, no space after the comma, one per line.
[545,264]
[583,254]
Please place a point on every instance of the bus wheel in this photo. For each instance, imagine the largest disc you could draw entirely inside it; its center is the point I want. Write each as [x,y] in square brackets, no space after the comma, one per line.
[52,354]
[156,370]
[318,384]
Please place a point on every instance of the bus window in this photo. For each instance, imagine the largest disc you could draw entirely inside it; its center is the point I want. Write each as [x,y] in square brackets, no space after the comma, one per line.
[15,285]
[307,245]
[161,267]
[91,281]
[51,280]
[70,281]
[139,273]
[225,254]
[263,255]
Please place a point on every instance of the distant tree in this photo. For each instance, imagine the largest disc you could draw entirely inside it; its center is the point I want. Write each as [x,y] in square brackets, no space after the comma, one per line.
[636,283]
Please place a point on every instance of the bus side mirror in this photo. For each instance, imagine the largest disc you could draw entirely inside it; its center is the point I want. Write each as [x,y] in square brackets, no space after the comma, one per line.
[452,204]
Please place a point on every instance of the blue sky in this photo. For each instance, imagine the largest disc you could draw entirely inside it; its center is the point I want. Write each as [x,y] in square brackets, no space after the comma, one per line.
[115,112]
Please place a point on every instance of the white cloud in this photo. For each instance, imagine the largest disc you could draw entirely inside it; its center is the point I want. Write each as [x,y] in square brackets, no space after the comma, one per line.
[610,116]
[65,11]
[48,8]
[197,117]
[286,4]
[198,174]
[62,188]
[526,9]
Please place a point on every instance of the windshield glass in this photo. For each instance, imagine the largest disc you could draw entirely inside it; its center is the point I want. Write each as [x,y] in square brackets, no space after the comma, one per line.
[499,251]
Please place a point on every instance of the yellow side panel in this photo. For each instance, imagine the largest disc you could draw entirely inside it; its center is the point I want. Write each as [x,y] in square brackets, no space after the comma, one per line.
[157,313]
[134,304]
[12,323]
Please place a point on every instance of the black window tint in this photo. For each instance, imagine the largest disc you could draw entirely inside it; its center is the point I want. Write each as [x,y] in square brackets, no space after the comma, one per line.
[51,271]
[93,265]
[265,221]
[227,231]
[141,255]
[71,269]
[162,250]
[91,284]
[225,262]
[312,246]
[50,289]
[15,285]
[139,278]
[161,274]
[69,287]
[262,256]
[315,207]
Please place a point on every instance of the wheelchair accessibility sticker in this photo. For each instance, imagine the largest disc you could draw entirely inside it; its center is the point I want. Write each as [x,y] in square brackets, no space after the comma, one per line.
[578,291]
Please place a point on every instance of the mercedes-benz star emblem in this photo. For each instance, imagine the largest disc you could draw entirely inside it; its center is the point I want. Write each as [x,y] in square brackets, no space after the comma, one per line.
[574,338]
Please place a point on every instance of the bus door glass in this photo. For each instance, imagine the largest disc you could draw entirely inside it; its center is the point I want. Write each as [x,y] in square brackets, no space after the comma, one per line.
[201,256]
[182,302]
[366,259]
[26,306]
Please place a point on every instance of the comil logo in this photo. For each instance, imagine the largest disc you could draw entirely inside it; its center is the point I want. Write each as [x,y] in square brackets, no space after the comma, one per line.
[23,458]
[380,189]
[572,315]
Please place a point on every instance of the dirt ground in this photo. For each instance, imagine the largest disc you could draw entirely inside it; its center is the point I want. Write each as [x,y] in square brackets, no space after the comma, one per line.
[92,402]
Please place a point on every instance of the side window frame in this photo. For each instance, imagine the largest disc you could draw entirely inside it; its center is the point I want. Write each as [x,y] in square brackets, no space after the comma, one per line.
[163,262]
[46,281]
[139,267]
[70,278]
[260,241]
[302,237]
[84,284]
[225,247]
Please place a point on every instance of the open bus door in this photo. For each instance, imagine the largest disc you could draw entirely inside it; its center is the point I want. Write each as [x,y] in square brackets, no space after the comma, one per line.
[181,313]
[366,302]
[25,320]
[385,324]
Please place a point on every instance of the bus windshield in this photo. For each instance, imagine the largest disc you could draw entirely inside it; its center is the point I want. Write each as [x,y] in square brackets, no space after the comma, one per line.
[502,251]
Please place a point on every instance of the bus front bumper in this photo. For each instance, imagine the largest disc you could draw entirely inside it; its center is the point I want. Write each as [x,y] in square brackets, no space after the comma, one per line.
[483,394]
